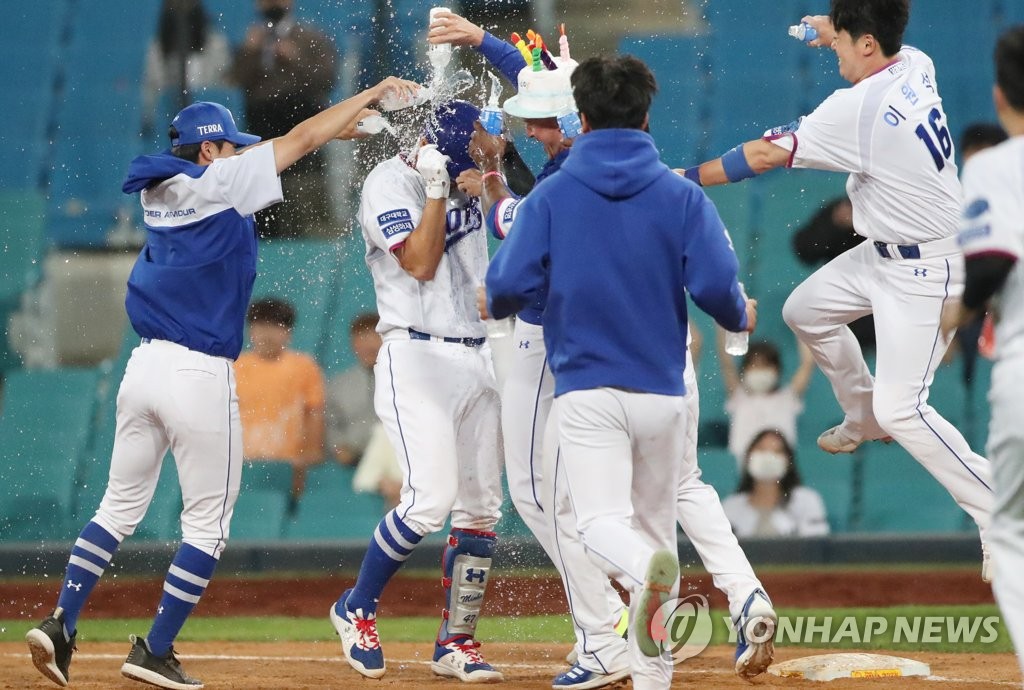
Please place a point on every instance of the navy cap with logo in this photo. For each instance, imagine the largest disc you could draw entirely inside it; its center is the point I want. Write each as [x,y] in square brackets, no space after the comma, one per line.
[450,128]
[205,121]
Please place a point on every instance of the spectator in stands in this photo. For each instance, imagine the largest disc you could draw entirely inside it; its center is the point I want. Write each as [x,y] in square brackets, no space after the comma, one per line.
[825,236]
[350,414]
[756,399]
[286,69]
[280,392]
[770,501]
[188,53]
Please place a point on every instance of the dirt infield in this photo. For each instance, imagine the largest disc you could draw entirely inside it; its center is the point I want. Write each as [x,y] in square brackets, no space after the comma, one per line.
[309,665]
[511,596]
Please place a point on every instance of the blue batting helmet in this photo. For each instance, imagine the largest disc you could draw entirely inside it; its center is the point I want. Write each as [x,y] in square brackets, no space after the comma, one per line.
[450,128]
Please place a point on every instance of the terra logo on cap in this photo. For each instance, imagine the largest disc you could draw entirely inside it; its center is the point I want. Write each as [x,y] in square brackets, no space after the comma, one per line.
[205,121]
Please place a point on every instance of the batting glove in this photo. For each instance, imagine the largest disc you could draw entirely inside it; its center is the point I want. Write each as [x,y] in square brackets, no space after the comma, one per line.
[430,163]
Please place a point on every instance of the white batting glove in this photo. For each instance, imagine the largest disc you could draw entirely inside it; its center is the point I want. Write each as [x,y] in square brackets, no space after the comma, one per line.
[430,163]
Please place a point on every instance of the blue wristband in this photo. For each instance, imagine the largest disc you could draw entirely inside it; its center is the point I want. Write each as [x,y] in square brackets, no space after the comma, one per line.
[693,174]
[736,166]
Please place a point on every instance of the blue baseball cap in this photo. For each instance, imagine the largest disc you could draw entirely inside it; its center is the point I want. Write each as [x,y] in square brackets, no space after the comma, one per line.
[205,121]
[450,128]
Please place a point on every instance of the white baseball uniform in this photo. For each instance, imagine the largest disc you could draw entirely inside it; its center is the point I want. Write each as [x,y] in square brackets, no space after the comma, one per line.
[436,399]
[993,223]
[890,133]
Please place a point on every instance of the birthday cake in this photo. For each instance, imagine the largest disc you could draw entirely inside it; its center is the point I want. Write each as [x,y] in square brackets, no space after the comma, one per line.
[544,89]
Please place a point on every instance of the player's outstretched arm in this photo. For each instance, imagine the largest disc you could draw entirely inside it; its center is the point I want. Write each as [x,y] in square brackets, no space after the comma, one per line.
[741,163]
[486,151]
[314,132]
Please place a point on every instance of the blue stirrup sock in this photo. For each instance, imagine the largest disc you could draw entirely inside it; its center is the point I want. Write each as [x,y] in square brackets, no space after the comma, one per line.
[187,579]
[90,556]
[392,543]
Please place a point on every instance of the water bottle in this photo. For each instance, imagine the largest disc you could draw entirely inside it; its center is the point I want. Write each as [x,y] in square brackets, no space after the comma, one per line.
[395,100]
[736,344]
[441,54]
[803,32]
[371,125]
[491,117]
[569,123]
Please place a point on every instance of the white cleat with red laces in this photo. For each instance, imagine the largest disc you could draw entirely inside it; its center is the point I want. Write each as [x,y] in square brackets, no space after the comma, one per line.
[359,638]
[460,658]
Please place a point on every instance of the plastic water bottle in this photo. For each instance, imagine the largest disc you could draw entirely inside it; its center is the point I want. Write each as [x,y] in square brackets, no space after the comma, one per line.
[395,100]
[569,123]
[803,32]
[375,124]
[441,54]
[736,344]
[491,117]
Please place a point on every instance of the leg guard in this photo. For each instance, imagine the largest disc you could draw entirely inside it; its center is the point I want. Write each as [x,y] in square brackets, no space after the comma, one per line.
[467,565]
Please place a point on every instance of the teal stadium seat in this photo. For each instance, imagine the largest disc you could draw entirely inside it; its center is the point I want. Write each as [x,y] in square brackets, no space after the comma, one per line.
[832,476]
[267,475]
[259,515]
[44,431]
[353,295]
[330,509]
[718,468]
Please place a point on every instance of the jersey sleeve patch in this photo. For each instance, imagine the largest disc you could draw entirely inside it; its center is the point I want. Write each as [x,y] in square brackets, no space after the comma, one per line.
[395,222]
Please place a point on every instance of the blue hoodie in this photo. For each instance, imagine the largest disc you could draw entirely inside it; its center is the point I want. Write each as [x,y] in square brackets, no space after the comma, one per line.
[617,239]
[192,282]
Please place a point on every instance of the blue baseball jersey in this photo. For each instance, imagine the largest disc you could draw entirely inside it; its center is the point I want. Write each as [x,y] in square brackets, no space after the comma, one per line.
[193,279]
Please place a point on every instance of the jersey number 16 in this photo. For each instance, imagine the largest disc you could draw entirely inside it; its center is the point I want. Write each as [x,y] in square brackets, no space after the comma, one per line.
[941,133]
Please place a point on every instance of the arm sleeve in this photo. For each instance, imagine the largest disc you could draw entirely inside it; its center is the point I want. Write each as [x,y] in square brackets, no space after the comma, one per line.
[249,181]
[711,265]
[827,139]
[500,218]
[391,209]
[519,272]
[504,56]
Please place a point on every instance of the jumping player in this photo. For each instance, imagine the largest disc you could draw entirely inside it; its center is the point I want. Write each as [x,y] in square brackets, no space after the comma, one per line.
[435,393]
[187,298]
[888,130]
[993,241]
[621,412]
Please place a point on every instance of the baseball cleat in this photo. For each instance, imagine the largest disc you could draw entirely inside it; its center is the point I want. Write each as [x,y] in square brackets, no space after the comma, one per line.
[986,564]
[460,658]
[359,638]
[835,441]
[755,634]
[621,629]
[662,576]
[162,671]
[51,651]
[579,678]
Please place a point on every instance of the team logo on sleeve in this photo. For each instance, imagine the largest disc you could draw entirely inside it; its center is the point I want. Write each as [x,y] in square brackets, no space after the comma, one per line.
[395,222]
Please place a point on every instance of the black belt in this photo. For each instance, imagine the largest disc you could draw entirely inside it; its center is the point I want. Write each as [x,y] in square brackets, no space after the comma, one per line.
[468,342]
[907,251]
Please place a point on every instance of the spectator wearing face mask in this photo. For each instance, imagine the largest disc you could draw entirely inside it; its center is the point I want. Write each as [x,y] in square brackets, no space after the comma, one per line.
[770,500]
[756,399]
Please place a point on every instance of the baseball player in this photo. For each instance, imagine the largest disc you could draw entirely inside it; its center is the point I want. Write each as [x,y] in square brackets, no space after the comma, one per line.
[993,241]
[618,354]
[435,393]
[187,298]
[889,131]
[526,402]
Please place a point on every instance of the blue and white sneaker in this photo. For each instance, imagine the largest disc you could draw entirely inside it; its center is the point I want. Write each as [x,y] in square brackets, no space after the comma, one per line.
[580,678]
[359,639]
[755,634]
[460,658]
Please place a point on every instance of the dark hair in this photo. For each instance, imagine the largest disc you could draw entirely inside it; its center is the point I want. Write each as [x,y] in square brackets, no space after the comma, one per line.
[272,310]
[980,135]
[886,20]
[613,92]
[789,481]
[190,152]
[367,321]
[1009,58]
[182,22]
[762,349]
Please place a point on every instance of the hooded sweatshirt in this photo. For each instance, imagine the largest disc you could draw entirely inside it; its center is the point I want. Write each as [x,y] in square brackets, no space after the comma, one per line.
[193,279]
[617,240]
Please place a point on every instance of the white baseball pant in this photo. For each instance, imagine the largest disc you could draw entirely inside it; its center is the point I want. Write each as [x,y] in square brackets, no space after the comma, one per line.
[1006,537]
[621,453]
[906,297]
[439,406]
[173,397]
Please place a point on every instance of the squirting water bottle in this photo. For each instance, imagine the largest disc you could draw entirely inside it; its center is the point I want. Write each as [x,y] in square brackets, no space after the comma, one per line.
[491,117]
[440,54]
[736,344]
[569,123]
[803,32]
[394,100]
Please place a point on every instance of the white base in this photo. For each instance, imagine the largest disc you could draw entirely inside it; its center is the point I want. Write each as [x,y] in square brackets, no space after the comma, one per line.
[849,665]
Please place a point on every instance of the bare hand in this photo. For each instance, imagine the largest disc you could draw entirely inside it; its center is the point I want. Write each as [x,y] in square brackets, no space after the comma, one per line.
[823,25]
[486,149]
[406,89]
[470,182]
[350,132]
[751,315]
[448,27]
[481,302]
[953,316]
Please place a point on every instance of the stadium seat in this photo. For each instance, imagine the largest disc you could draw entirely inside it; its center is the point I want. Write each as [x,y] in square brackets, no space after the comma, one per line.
[267,475]
[718,468]
[354,294]
[832,476]
[330,509]
[260,515]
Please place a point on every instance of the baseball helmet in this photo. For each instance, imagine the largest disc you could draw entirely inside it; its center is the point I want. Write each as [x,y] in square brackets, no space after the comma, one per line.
[450,127]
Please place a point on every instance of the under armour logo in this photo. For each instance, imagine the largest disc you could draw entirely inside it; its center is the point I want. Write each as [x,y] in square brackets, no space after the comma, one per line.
[160,610]
[77,586]
[921,272]
[474,574]
[524,344]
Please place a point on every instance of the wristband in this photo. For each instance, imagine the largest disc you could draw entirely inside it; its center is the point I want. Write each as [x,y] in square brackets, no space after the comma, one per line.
[492,172]
[736,166]
[693,174]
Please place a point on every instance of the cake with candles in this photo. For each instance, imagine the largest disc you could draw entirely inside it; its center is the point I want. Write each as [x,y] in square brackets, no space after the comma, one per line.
[544,89]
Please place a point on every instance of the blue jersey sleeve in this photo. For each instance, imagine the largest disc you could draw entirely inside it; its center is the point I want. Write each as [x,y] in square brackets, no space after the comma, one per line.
[518,274]
[505,57]
[711,265]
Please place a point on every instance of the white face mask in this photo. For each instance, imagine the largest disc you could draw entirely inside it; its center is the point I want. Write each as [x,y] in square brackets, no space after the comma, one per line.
[767,465]
[760,380]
